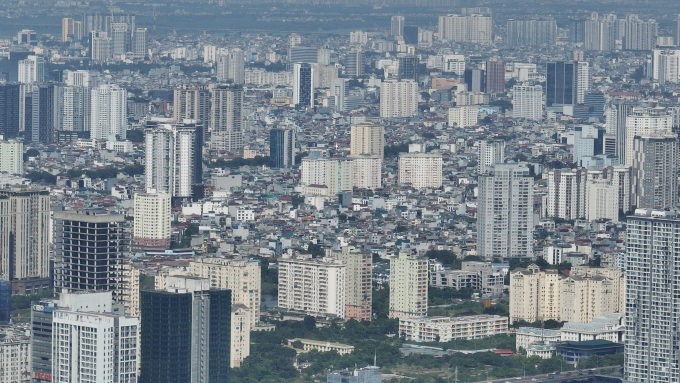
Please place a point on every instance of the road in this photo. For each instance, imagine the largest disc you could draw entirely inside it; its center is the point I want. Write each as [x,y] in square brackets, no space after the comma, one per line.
[546,378]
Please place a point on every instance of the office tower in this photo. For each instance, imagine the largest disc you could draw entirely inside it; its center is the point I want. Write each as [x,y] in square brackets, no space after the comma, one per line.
[655,170]
[531,33]
[100,46]
[358,282]
[560,83]
[577,31]
[83,235]
[597,101]
[366,171]
[463,116]
[86,78]
[66,29]
[120,39]
[398,99]
[408,286]
[454,63]
[410,35]
[281,148]
[307,55]
[10,109]
[12,157]
[527,102]
[473,28]
[475,80]
[231,66]
[566,193]
[651,306]
[108,112]
[353,64]
[192,102]
[32,69]
[581,81]
[505,213]
[644,122]
[490,152]
[615,122]
[303,89]
[420,170]
[187,333]
[340,93]
[73,109]
[227,118]
[173,164]
[152,218]
[640,35]
[367,138]
[397,27]
[139,43]
[94,347]
[315,286]
[495,76]
[27,36]
[43,112]
[24,234]
[104,23]
[588,142]
[666,66]
[408,67]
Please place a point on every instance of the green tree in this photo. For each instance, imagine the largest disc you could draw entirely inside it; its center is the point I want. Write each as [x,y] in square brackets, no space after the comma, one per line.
[31,153]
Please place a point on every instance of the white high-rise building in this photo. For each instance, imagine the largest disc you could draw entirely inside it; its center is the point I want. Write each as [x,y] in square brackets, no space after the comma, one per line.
[313,171]
[303,85]
[655,170]
[398,99]
[91,347]
[420,170]
[86,78]
[73,108]
[602,200]
[152,217]
[408,286]
[139,43]
[367,138]
[108,112]
[453,63]
[397,26]
[641,122]
[227,119]
[334,173]
[566,193]
[505,223]
[490,152]
[32,69]
[366,171]
[473,28]
[527,102]
[236,70]
[12,157]
[463,116]
[652,308]
[312,286]
[582,80]
[340,93]
[666,65]
[100,46]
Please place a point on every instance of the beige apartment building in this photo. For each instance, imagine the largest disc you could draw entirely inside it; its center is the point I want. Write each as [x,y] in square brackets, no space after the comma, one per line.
[588,292]
[358,282]
[367,138]
[408,286]
[240,334]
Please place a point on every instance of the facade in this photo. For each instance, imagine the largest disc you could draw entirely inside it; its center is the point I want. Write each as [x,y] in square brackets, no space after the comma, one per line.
[602,201]
[474,28]
[100,46]
[666,65]
[407,67]
[108,112]
[505,213]
[281,148]
[339,176]
[611,327]
[312,286]
[187,333]
[10,109]
[73,109]
[354,65]
[398,99]
[408,286]
[303,88]
[152,221]
[531,33]
[366,171]
[420,170]
[445,329]
[561,82]
[581,81]
[490,152]
[240,334]
[482,276]
[321,346]
[527,102]
[643,122]
[12,157]
[566,193]
[192,102]
[24,233]
[32,69]
[227,118]
[367,138]
[655,164]
[495,76]
[15,347]
[139,43]
[42,112]
[358,282]
[397,26]
[463,116]
[525,336]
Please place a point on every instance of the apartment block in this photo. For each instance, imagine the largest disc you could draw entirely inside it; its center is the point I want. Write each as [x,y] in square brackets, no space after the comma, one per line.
[408,286]
[463,116]
[358,282]
[12,157]
[152,216]
[420,170]
[482,276]
[445,329]
[367,138]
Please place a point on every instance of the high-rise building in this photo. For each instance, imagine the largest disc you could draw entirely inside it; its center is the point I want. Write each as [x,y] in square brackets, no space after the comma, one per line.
[410,35]
[187,333]
[281,148]
[340,93]
[495,76]
[43,112]
[602,201]
[108,112]
[398,99]
[120,39]
[10,109]
[408,286]
[67,29]
[655,170]
[236,71]
[358,282]
[397,27]
[354,65]
[227,118]
[152,216]
[174,157]
[463,116]
[314,286]
[420,170]
[94,347]
[531,33]
[83,235]
[100,46]
[651,307]
[676,30]
[475,80]
[615,122]
[367,138]
[86,78]
[560,83]
[32,69]
[474,28]
[643,122]
[307,55]
[24,233]
[566,193]
[640,35]
[303,89]
[527,102]
[192,102]
[490,152]
[139,43]
[12,157]
[366,171]
[666,65]
[577,31]
[454,63]
[505,222]
[73,109]
[581,81]
[408,67]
